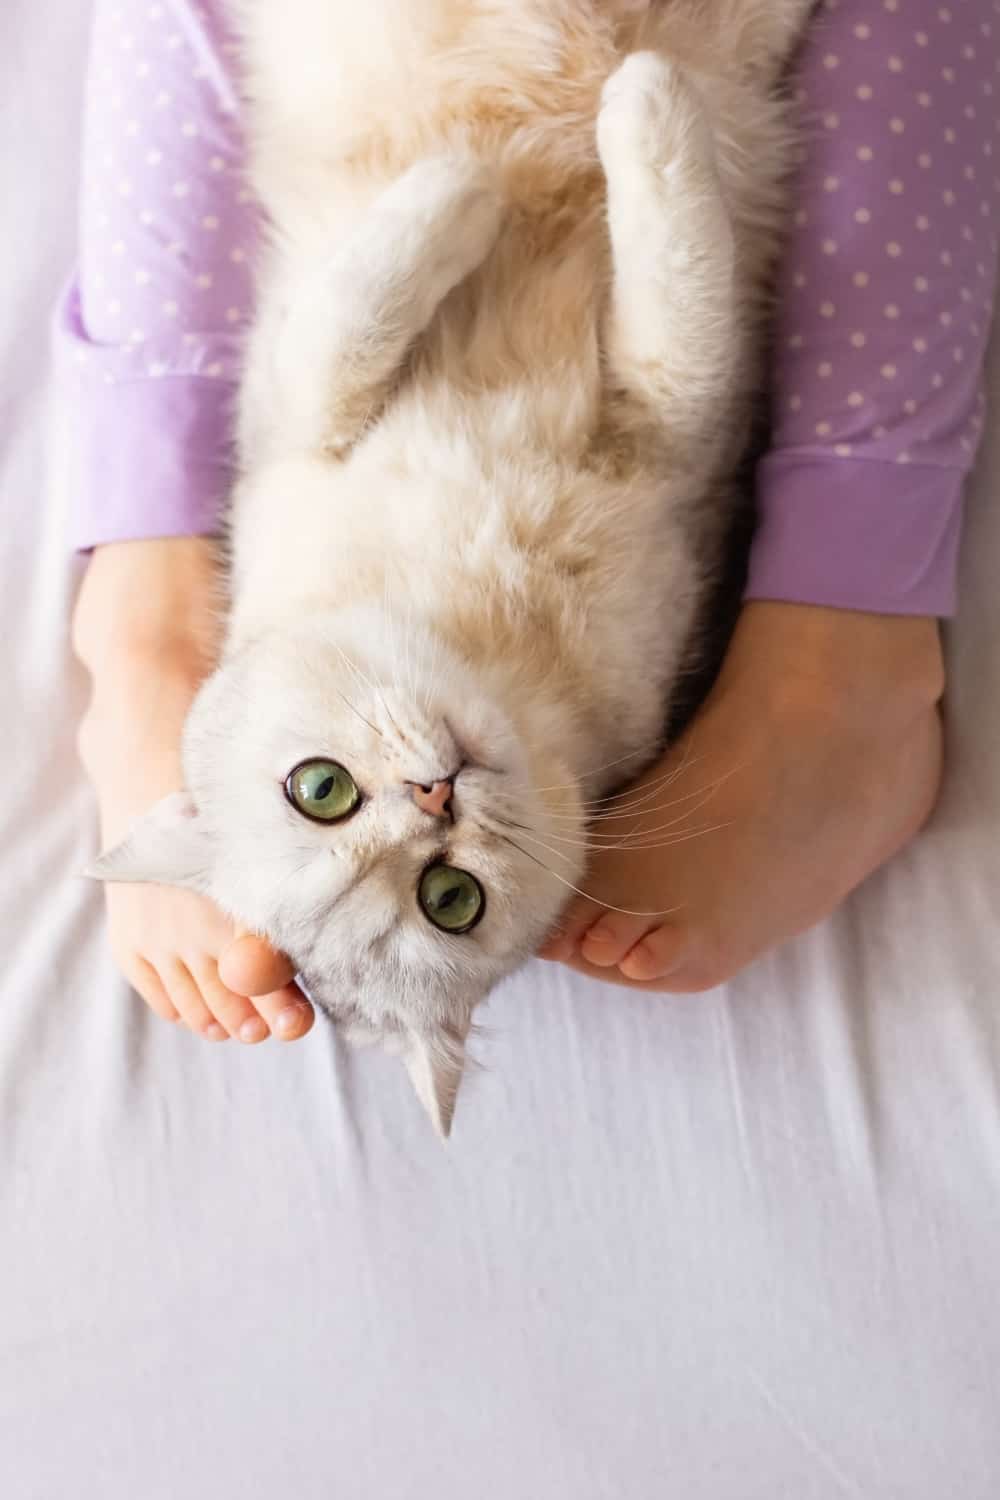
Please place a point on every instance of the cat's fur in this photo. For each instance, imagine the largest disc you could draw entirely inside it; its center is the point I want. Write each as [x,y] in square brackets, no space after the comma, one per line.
[487,461]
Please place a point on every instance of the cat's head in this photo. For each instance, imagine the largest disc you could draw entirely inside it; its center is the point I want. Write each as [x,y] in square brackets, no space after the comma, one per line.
[366,803]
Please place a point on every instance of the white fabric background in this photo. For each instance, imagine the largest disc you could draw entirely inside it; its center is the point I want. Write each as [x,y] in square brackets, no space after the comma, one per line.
[744,1246]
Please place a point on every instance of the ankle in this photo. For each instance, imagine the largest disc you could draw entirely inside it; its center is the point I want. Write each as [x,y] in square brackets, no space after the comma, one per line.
[133,723]
[837,662]
[147,597]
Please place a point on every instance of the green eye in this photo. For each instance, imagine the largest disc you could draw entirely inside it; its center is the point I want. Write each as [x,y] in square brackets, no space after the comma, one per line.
[323,790]
[451,898]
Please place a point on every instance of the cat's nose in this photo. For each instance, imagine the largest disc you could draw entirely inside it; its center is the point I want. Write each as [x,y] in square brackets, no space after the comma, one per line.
[434,799]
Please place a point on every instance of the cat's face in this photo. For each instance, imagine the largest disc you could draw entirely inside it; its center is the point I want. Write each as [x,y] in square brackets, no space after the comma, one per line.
[364,803]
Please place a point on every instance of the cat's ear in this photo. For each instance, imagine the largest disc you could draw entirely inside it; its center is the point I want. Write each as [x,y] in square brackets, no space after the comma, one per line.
[435,1062]
[167,845]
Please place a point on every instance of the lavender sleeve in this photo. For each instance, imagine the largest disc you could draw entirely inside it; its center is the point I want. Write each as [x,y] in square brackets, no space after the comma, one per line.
[884,308]
[148,334]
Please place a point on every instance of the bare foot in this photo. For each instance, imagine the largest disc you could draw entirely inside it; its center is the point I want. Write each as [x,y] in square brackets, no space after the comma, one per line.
[815,758]
[177,950]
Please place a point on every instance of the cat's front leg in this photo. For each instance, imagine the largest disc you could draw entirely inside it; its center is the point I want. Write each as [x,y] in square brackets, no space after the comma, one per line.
[349,326]
[671,334]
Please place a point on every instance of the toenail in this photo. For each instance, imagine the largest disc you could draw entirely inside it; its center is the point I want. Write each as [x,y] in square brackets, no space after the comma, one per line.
[640,954]
[643,964]
[290,1020]
[603,958]
[215,1033]
[603,938]
[600,948]
[254,1029]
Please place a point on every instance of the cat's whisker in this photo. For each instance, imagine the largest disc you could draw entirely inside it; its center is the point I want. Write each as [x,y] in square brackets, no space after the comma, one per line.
[392,617]
[630,801]
[374,687]
[535,839]
[426,695]
[608,906]
[390,620]
[636,845]
[410,690]
[616,797]
[353,667]
[607,766]
[623,839]
[350,705]
[705,793]
[434,672]
[401,660]
[619,809]
[390,716]
[620,798]
[635,839]
[619,803]
[679,838]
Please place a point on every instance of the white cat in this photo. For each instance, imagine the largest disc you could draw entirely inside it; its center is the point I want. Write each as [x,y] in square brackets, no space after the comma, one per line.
[487,457]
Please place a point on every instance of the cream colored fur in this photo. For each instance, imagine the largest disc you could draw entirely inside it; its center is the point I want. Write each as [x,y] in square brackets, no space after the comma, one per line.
[499,381]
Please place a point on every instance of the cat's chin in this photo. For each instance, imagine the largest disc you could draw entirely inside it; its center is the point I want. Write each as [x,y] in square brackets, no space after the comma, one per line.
[432,1052]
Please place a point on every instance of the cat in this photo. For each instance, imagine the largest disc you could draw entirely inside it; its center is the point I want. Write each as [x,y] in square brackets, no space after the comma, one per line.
[500,379]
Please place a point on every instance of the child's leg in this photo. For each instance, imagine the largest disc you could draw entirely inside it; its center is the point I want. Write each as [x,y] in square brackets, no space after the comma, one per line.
[819,749]
[816,757]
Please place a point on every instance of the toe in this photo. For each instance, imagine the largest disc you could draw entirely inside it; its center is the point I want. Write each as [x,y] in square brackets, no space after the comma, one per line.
[186,996]
[656,955]
[145,980]
[234,1012]
[250,966]
[610,938]
[287,1012]
[564,940]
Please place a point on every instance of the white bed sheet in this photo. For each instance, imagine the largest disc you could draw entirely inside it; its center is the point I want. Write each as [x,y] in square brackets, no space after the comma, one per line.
[744,1246]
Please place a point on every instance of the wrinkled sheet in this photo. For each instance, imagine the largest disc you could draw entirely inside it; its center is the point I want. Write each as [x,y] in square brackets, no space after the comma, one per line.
[740,1246]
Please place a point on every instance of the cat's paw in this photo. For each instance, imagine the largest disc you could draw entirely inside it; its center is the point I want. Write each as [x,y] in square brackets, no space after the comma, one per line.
[456,204]
[649,115]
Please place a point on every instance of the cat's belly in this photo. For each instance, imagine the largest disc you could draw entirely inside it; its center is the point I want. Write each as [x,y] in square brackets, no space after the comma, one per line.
[383,85]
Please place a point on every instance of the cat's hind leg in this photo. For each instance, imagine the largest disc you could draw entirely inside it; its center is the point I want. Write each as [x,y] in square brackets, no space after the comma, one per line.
[671,334]
[350,325]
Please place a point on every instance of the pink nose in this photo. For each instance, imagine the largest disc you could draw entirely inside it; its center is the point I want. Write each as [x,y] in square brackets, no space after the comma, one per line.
[433,799]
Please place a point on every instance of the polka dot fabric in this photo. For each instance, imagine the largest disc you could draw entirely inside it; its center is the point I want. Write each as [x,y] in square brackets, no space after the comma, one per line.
[150,334]
[167,218]
[885,306]
[885,300]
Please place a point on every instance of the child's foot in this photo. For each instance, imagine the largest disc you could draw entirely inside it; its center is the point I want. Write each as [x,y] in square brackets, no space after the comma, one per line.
[170,943]
[815,758]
